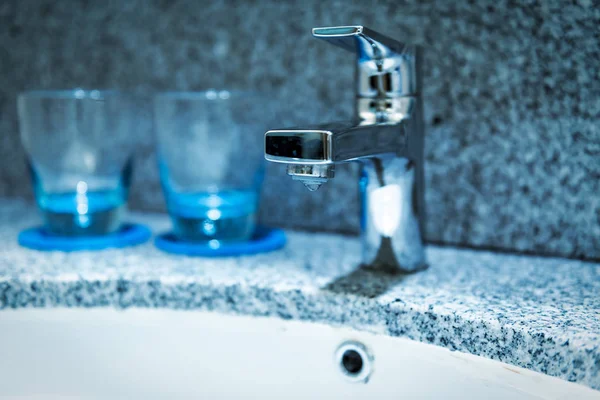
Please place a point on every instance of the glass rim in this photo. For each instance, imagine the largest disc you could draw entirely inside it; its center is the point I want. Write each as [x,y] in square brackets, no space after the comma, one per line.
[70,94]
[207,95]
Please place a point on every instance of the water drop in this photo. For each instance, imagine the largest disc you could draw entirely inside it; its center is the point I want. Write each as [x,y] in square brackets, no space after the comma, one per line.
[312,186]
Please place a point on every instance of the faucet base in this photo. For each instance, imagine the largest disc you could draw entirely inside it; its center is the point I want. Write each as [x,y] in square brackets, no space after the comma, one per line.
[390,220]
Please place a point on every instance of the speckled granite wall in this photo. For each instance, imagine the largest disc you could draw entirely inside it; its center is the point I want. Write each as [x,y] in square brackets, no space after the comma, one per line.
[511,89]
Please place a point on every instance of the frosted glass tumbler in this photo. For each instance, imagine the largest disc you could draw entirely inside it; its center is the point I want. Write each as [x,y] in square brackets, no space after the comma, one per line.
[79,146]
[210,151]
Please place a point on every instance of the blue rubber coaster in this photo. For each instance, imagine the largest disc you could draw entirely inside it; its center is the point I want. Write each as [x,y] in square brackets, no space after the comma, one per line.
[38,239]
[264,240]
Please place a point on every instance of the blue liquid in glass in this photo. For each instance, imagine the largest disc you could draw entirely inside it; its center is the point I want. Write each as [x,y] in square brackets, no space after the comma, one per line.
[82,214]
[223,216]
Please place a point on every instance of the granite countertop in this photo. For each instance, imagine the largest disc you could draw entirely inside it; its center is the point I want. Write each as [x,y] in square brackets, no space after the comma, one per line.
[537,313]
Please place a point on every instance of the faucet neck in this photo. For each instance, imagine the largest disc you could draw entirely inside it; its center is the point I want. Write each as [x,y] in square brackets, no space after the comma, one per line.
[387,87]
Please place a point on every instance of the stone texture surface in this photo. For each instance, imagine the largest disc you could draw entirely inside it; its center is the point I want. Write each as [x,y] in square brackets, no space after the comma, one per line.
[511,99]
[537,313]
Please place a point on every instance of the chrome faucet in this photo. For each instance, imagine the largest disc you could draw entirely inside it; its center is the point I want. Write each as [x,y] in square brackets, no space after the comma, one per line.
[386,137]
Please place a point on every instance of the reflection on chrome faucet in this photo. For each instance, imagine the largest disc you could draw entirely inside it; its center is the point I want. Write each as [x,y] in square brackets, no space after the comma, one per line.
[386,137]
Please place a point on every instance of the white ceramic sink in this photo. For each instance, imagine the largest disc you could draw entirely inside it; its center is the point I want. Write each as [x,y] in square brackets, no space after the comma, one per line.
[160,353]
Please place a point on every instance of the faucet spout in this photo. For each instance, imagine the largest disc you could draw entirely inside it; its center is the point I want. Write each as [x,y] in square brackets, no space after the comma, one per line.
[333,142]
[311,153]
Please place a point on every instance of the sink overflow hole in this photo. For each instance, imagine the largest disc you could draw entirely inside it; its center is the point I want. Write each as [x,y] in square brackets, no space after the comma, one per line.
[352,362]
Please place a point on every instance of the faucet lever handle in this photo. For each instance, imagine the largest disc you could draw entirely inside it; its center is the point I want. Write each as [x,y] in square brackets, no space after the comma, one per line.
[366,43]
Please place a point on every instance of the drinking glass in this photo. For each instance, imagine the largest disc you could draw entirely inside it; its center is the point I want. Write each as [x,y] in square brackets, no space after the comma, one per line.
[210,154]
[79,146]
